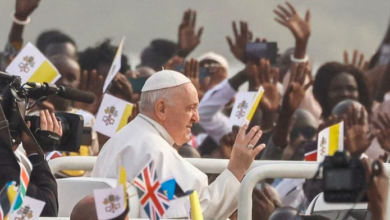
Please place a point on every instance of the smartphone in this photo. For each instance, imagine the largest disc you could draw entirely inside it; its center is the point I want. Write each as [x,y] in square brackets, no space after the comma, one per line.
[179,68]
[267,50]
[203,73]
[384,56]
[137,83]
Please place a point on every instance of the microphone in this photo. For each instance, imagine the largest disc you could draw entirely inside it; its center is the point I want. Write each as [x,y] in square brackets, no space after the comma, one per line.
[76,95]
[38,90]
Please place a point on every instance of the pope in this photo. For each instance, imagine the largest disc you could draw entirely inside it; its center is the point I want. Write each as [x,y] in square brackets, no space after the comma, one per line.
[168,109]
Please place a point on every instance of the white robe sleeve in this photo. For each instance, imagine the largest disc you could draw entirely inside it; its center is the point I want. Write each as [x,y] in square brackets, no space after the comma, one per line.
[220,199]
[212,120]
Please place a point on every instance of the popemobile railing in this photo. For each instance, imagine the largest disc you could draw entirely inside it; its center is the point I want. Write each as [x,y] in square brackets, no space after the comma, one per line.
[299,170]
[209,166]
[260,170]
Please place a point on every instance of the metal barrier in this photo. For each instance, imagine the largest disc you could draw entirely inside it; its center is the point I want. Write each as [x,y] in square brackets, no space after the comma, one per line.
[299,170]
[209,166]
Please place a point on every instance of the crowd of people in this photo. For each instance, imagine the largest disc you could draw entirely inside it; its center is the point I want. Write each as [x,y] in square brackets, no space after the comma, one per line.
[180,113]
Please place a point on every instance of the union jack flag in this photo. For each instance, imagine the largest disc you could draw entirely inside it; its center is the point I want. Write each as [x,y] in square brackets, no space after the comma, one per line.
[151,195]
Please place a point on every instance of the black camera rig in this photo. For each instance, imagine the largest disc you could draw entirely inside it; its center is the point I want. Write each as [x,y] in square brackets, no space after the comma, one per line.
[15,102]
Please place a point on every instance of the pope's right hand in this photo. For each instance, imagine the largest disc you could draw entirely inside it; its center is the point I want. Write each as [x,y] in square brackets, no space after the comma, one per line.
[245,150]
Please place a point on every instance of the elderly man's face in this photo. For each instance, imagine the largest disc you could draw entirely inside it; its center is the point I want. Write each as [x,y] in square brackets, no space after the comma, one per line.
[182,113]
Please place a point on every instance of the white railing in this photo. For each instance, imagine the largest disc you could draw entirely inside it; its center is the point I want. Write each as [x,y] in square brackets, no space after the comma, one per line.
[299,170]
[260,170]
[209,166]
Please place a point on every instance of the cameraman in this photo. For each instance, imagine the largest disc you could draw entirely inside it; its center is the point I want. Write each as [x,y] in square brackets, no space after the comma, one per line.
[42,184]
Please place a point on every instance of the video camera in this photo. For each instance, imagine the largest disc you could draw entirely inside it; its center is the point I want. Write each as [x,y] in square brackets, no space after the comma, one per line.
[344,179]
[15,102]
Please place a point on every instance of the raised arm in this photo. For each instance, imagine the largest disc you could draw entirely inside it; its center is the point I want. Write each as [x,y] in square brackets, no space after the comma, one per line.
[291,100]
[300,28]
[189,39]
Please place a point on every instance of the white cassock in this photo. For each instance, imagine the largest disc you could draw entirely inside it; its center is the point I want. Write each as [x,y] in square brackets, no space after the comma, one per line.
[144,139]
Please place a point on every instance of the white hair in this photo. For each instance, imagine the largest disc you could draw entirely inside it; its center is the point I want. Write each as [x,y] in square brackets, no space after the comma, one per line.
[149,98]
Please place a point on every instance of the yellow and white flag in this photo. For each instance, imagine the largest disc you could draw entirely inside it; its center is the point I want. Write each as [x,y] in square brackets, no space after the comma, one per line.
[245,107]
[115,66]
[110,202]
[113,115]
[32,66]
[330,140]
[31,210]
[241,107]
[255,103]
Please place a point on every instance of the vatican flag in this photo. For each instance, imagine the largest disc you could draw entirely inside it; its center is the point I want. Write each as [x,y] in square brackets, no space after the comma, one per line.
[109,202]
[32,66]
[253,106]
[241,108]
[30,210]
[330,140]
[112,116]
[115,66]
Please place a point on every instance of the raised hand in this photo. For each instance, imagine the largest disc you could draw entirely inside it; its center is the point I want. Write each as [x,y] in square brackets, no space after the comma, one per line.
[191,71]
[244,150]
[188,38]
[217,72]
[121,88]
[383,133]
[263,205]
[241,39]
[357,137]
[174,61]
[291,100]
[268,78]
[297,88]
[299,27]
[357,60]
[91,82]
[24,8]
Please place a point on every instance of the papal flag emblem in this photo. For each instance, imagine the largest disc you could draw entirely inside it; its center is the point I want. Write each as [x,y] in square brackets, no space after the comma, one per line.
[330,140]
[30,210]
[112,116]
[32,66]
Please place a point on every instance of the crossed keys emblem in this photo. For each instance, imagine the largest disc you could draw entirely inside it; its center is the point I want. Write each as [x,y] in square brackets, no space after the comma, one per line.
[27,63]
[241,109]
[24,212]
[111,113]
[112,203]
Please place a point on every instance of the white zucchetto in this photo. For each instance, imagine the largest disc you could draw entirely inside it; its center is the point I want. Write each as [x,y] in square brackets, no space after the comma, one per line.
[164,79]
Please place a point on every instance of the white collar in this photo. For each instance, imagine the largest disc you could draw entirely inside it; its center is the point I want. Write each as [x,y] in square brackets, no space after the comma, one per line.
[160,129]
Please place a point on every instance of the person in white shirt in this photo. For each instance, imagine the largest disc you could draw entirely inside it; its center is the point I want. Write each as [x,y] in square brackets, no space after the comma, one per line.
[168,109]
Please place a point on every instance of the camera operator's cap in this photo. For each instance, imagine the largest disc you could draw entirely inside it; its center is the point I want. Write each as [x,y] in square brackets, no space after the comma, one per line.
[164,79]
[215,57]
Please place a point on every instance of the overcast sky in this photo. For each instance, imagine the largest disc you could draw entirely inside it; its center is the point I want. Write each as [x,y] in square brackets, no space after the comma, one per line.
[336,24]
